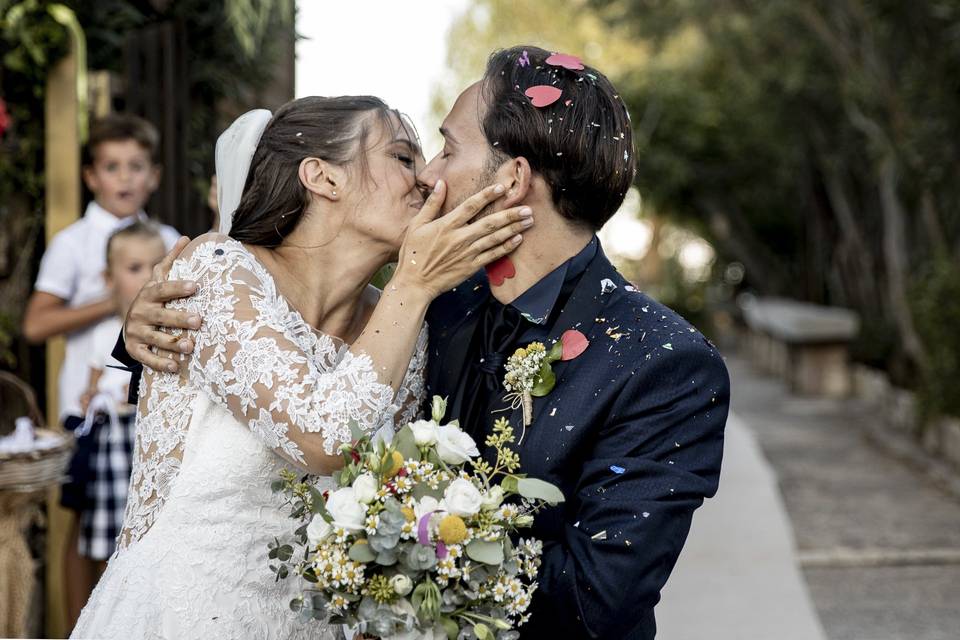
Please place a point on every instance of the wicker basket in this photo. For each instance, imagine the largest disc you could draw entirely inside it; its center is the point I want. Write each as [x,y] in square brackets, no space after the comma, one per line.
[32,470]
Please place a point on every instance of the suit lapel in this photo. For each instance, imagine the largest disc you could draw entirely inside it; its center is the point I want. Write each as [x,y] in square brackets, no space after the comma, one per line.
[581,311]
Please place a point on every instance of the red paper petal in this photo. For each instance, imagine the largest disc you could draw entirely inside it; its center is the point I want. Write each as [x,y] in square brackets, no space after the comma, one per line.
[500,270]
[566,61]
[543,95]
[574,343]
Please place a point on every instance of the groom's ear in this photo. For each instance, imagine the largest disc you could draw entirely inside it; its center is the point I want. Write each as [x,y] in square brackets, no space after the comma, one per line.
[516,176]
[320,178]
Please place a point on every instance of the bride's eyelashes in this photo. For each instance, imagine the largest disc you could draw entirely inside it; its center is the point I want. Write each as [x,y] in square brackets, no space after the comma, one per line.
[406,161]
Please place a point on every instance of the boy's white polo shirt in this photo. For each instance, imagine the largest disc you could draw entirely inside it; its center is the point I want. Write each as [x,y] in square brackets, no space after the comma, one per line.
[72,269]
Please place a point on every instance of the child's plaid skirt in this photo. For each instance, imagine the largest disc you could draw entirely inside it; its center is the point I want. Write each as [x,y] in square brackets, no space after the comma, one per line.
[103,474]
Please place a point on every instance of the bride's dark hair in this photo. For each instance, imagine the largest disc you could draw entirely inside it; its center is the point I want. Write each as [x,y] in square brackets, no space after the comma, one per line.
[332,129]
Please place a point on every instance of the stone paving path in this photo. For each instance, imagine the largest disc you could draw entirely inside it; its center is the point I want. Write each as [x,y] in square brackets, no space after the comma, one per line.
[876,542]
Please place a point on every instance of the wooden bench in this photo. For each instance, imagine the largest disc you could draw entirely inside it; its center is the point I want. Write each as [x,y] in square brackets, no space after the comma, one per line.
[805,344]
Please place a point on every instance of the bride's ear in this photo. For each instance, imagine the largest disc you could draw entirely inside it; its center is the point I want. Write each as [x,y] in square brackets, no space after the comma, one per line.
[320,178]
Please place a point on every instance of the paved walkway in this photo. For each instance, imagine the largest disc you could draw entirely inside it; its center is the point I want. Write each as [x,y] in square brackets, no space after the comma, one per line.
[738,576]
[876,540]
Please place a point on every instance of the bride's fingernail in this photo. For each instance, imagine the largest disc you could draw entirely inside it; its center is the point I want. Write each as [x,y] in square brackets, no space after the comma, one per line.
[517,239]
[526,212]
[499,188]
[194,322]
[526,222]
[184,345]
[438,186]
[191,287]
[171,367]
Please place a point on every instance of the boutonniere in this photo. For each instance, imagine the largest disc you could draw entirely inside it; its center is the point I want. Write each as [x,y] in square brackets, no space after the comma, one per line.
[530,371]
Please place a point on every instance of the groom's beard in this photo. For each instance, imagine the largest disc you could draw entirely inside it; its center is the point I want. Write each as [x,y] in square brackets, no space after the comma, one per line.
[479,184]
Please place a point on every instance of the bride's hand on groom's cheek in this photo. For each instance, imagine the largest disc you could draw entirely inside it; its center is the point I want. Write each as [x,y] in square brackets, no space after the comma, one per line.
[142,337]
[440,252]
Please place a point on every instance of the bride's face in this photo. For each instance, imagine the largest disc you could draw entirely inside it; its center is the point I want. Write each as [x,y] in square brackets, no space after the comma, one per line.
[388,198]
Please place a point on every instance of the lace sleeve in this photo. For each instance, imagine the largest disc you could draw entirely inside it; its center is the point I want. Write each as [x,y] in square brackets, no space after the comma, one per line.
[260,359]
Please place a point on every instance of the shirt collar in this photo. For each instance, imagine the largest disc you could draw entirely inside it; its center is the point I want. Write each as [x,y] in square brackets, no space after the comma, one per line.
[102,218]
[536,303]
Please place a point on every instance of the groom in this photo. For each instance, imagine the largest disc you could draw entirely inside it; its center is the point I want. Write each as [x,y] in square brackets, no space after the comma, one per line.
[632,432]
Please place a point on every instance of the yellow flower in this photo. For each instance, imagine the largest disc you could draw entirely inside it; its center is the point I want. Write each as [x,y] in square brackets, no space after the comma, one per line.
[453,530]
[534,347]
[397,463]
[520,353]
[408,513]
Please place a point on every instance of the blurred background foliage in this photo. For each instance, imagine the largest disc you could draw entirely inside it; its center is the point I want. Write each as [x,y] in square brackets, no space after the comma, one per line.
[227,69]
[812,143]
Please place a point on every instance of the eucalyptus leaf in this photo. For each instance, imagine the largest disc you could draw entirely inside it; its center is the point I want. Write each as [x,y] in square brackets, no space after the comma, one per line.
[361,552]
[450,627]
[509,484]
[546,381]
[485,552]
[355,431]
[535,489]
[406,445]
[423,489]
[482,631]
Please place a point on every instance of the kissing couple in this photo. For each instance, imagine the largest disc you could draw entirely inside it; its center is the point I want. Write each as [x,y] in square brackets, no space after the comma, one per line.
[261,343]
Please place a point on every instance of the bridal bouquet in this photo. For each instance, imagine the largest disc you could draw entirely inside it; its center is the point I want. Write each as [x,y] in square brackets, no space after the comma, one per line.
[416,541]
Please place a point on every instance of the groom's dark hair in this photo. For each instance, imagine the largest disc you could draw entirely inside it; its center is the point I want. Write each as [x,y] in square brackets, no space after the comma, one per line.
[581,144]
[335,129]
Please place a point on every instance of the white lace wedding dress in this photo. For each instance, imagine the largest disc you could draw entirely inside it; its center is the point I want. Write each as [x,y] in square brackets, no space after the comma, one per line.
[192,560]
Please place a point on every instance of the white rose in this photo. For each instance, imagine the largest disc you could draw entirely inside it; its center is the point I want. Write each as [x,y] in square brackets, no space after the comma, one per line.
[424,432]
[454,446]
[427,504]
[401,584]
[346,511]
[492,498]
[365,488]
[462,498]
[318,530]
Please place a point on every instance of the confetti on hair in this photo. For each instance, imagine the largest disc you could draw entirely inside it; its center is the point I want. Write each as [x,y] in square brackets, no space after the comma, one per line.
[523,60]
[543,95]
[501,270]
[566,61]
[568,103]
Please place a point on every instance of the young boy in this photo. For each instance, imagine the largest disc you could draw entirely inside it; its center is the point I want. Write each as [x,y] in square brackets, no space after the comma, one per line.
[70,294]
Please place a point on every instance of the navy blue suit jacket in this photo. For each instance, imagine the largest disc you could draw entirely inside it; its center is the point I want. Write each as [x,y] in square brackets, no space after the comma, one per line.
[633,436]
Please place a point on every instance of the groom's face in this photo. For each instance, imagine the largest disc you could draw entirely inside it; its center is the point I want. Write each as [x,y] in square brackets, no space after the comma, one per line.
[465,161]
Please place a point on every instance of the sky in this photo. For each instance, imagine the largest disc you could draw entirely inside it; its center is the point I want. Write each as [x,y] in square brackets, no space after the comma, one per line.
[369,47]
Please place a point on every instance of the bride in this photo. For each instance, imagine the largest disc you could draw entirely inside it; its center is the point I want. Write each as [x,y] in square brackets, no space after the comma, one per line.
[294,346]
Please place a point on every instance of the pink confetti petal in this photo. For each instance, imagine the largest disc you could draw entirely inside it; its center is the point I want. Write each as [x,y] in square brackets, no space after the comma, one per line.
[543,95]
[566,61]
[501,270]
[574,343]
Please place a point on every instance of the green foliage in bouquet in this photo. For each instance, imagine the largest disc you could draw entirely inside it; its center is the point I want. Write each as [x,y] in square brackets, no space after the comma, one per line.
[407,540]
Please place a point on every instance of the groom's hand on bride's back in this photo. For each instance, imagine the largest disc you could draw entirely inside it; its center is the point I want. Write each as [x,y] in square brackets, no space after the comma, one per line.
[142,338]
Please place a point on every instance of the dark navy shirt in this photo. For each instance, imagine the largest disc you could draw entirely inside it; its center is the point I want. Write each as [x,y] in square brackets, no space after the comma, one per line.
[537,303]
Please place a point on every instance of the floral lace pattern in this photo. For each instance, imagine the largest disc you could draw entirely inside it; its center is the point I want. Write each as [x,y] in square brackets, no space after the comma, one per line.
[260,360]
